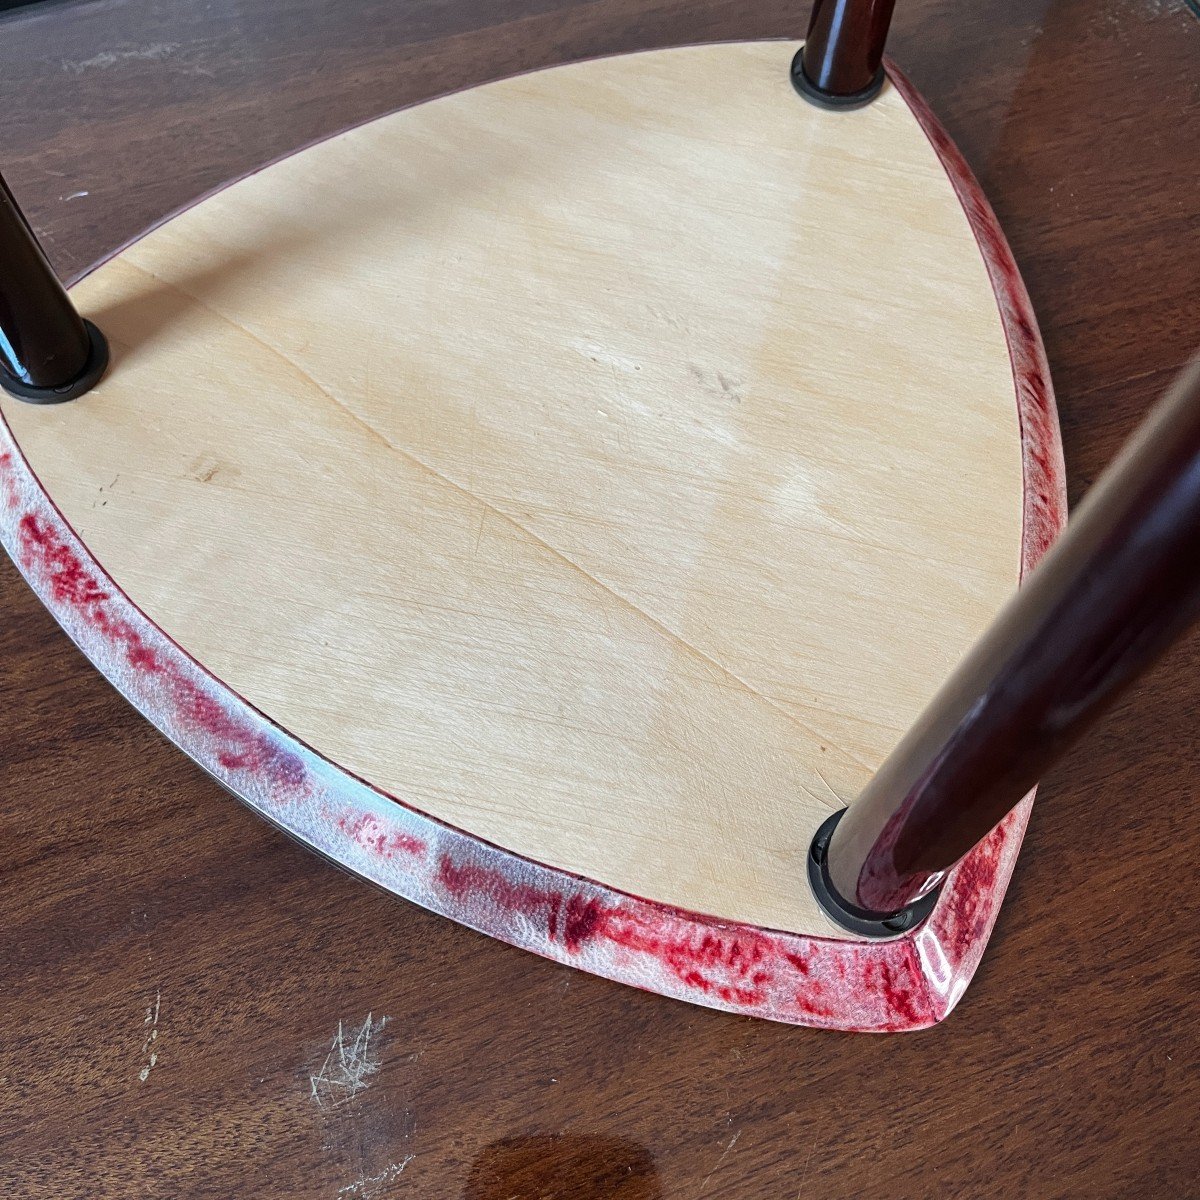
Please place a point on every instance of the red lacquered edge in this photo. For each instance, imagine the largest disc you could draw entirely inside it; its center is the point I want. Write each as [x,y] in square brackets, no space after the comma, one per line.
[908,983]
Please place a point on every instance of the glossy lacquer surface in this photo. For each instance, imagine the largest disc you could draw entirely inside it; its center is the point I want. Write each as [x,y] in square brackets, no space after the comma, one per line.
[43,342]
[133,877]
[844,48]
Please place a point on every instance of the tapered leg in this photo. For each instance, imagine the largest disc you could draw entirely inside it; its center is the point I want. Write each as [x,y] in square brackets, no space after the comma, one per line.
[48,353]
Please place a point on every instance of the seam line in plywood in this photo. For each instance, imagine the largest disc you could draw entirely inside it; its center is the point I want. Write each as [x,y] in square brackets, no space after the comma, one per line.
[511,521]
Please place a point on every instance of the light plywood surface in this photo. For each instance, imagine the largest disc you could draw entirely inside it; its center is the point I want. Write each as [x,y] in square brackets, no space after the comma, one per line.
[610,461]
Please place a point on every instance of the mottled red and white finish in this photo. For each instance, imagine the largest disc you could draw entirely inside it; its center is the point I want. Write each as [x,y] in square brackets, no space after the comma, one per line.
[907,983]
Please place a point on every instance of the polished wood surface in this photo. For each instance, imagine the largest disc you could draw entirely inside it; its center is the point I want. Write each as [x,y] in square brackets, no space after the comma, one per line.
[149,925]
[575,505]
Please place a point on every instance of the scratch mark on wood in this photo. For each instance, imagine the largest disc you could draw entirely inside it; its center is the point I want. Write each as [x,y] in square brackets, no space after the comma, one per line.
[804,1174]
[110,58]
[825,781]
[149,1045]
[348,1065]
[368,1185]
[716,1167]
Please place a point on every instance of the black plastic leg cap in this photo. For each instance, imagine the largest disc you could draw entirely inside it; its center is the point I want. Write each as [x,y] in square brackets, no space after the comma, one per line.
[850,916]
[824,99]
[91,374]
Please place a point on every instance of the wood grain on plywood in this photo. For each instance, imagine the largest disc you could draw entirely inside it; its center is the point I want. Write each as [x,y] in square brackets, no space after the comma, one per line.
[604,461]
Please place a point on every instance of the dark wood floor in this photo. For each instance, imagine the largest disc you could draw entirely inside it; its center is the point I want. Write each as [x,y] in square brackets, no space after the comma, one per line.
[138,898]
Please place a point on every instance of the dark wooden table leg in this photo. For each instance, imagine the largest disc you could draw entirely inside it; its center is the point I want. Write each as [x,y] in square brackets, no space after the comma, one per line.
[841,64]
[1120,585]
[48,353]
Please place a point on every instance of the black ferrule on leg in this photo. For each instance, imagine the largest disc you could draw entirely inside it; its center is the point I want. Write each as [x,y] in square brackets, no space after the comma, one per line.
[841,64]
